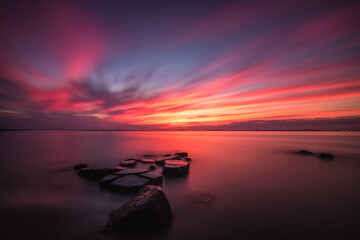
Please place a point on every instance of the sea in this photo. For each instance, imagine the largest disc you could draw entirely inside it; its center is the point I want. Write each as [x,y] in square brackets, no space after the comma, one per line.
[241,184]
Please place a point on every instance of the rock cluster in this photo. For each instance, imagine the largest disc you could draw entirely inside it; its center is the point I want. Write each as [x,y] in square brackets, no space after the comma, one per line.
[324,156]
[150,206]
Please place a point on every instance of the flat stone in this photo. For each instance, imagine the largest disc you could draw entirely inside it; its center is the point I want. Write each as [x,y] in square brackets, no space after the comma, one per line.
[130,171]
[80,166]
[150,208]
[128,163]
[96,173]
[304,152]
[147,160]
[176,168]
[326,156]
[154,177]
[182,154]
[128,183]
[107,179]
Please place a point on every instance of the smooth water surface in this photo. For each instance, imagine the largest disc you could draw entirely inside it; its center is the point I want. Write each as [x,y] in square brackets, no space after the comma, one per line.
[241,185]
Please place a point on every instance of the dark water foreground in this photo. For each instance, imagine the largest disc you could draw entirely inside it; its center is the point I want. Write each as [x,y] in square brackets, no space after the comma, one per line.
[242,185]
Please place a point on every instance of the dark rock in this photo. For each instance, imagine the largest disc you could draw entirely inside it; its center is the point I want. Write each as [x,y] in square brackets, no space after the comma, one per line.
[80,166]
[176,158]
[304,152]
[107,179]
[121,168]
[188,159]
[176,168]
[96,173]
[128,183]
[161,160]
[182,154]
[167,155]
[154,177]
[150,208]
[326,156]
[149,155]
[152,167]
[128,163]
[130,171]
[147,160]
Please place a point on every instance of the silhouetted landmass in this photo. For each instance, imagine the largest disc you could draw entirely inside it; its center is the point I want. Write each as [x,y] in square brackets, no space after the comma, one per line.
[321,124]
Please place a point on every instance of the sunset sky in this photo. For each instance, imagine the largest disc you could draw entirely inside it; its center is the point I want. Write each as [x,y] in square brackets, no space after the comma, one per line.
[180,65]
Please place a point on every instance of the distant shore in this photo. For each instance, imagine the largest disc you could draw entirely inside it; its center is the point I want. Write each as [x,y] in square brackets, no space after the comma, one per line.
[171,130]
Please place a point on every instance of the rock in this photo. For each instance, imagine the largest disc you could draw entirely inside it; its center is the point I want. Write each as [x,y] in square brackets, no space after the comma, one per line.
[326,156]
[304,152]
[128,183]
[80,166]
[161,160]
[130,171]
[176,158]
[176,168]
[107,179]
[182,154]
[154,177]
[121,168]
[150,208]
[128,163]
[167,155]
[147,160]
[149,155]
[96,173]
[188,159]
[152,167]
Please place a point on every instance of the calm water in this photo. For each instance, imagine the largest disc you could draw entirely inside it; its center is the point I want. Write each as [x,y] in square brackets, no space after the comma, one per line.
[261,190]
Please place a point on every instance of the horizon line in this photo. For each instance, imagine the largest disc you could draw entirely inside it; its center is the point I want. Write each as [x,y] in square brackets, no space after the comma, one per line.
[170,130]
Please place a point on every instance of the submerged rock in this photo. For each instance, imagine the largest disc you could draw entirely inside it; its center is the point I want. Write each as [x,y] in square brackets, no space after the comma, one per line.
[80,166]
[96,173]
[201,197]
[149,155]
[152,167]
[326,156]
[154,177]
[176,168]
[107,179]
[182,154]
[176,158]
[150,208]
[167,155]
[188,159]
[128,163]
[128,183]
[304,152]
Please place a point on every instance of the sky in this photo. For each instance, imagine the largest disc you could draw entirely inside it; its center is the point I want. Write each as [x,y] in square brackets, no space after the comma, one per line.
[180,65]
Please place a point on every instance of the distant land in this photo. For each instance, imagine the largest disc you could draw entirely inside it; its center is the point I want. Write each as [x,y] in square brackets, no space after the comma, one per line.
[333,124]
